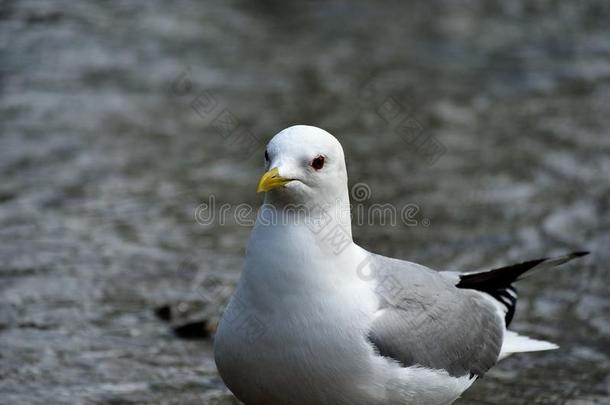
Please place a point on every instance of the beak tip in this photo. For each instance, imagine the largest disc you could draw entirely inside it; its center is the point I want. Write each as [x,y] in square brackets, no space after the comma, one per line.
[270,180]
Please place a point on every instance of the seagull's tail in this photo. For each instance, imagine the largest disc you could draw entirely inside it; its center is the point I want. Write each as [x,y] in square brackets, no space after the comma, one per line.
[498,282]
[515,343]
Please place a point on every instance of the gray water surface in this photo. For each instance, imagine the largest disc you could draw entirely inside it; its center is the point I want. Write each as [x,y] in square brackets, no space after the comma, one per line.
[119,119]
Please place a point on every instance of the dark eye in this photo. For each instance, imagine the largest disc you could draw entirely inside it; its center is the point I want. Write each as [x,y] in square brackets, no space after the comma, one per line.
[318,162]
[266,156]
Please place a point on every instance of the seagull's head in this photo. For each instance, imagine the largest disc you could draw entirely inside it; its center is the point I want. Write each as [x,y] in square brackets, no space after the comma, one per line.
[304,164]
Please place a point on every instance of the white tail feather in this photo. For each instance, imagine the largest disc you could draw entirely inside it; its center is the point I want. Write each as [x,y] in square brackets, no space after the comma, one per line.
[515,343]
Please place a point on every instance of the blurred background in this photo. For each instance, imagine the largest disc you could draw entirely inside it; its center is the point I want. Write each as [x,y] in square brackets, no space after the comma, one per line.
[126,125]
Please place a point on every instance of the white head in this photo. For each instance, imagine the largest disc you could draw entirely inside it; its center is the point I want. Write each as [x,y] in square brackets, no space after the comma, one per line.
[304,164]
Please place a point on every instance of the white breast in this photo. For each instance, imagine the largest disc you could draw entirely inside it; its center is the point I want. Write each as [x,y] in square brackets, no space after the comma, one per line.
[277,331]
[295,331]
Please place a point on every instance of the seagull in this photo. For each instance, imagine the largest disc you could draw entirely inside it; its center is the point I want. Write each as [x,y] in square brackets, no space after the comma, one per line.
[316,319]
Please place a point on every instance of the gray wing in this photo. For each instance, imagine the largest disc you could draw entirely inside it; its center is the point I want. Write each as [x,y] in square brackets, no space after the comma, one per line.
[425,320]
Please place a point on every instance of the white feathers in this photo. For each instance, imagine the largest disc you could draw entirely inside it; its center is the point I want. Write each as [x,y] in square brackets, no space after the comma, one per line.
[515,343]
[298,328]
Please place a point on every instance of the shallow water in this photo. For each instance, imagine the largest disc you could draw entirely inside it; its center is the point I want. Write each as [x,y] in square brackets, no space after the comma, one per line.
[110,142]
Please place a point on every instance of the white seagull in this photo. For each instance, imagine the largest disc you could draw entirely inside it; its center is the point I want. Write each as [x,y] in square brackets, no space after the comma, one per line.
[316,319]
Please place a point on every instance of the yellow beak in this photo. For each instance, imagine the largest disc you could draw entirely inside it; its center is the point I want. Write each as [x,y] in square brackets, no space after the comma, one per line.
[271,180]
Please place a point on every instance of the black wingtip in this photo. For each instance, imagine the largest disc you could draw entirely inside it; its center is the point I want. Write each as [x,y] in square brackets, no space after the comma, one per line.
[579,254]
